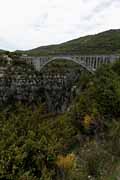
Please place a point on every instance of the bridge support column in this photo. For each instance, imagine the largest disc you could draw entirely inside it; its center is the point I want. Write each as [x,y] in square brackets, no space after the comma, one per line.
[95,63]
[91,62]
[88,61]
[98,61]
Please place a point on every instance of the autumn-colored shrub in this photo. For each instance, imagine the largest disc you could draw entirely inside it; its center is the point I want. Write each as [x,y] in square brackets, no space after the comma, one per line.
[87,121]
[66,162]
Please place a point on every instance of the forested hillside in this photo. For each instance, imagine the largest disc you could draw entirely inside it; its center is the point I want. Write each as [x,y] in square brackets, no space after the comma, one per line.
[107,42]
[82,143]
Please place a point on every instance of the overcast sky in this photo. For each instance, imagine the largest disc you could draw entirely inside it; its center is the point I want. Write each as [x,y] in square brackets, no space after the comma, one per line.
[25,24]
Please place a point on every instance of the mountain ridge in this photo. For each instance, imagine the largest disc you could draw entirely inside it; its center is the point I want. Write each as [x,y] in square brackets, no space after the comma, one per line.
[107,42]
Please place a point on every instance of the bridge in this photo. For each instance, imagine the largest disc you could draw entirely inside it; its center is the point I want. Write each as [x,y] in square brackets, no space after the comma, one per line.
[88,62]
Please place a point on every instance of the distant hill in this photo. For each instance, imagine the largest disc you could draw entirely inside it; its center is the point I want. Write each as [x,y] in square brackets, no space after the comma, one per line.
[1,50]
[107,42]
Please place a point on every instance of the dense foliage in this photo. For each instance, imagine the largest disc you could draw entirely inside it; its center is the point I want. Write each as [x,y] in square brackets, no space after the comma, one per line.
[81,144]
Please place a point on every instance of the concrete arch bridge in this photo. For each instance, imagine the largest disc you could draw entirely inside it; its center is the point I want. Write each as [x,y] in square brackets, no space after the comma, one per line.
[88,62]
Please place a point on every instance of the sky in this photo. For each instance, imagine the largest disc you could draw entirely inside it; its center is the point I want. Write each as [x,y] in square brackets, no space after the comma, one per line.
[26,24]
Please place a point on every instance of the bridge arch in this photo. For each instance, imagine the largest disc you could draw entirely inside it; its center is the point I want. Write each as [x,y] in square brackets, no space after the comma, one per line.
[73,59]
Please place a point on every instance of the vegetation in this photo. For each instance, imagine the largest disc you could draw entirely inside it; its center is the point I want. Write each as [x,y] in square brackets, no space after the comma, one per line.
[81,144]
[107,42]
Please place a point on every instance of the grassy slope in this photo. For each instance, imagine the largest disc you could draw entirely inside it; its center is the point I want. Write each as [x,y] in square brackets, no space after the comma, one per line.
[107,42]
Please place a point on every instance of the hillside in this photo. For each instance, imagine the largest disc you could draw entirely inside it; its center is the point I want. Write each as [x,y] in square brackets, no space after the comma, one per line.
[107,42]
[1,50]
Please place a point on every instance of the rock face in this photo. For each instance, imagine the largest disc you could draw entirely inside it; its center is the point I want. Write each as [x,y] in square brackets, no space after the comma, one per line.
[21,82]
[18,83]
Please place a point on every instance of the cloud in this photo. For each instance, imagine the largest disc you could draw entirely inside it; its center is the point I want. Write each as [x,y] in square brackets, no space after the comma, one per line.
[30,23]
[4,44]
[39,22]
[103,5]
